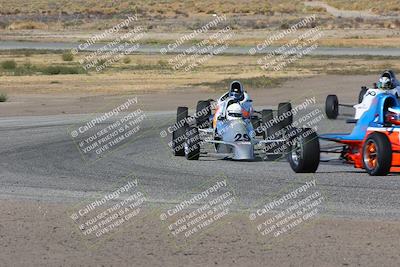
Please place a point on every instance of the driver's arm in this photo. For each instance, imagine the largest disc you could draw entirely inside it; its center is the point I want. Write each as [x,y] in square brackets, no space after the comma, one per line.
[247,106]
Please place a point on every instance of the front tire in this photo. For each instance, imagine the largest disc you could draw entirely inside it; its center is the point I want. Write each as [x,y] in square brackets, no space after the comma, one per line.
[362,93]
[304,151]
[377,154]
[203,114]
[332,107]
[178,135]
[192,143]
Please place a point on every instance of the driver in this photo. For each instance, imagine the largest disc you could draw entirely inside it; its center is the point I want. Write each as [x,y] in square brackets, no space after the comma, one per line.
[388,81]
[236,94]
[385,83]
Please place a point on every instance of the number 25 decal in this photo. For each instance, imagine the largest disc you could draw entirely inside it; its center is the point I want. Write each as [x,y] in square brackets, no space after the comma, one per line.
[240,137]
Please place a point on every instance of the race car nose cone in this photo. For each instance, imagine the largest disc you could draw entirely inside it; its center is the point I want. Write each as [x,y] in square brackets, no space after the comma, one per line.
[244,151]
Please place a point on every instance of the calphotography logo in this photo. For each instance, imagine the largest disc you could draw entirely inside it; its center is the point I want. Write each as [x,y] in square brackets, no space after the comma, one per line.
[200,212]
[110,130]
[99,218]
[101,55]
[278,58]
[281,216]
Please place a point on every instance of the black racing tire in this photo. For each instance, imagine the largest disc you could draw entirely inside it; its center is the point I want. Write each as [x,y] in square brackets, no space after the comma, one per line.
[256,123]
[203,113]
[285,108]
[266,119]
[304,154]
[272,132]
[182,114]
[377,154]
[178,135]
[192,143]
[361,94]
[332,107]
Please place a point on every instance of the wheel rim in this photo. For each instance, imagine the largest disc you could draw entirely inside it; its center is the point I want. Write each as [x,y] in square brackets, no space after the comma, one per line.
[371,155]
[297,151]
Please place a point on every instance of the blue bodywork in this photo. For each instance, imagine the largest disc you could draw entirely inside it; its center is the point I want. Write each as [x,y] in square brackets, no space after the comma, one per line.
[373,117]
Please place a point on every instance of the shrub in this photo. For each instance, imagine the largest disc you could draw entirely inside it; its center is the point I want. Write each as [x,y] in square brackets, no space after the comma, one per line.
[3,97]
[101,62]
[67,56]
[56,70]
[285,26]
[260,82]
[26,69]
[9,64]
[163,63]
[127,60]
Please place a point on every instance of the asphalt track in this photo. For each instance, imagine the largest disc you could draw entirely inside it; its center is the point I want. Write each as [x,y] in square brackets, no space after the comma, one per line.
[39,161]
[236,50]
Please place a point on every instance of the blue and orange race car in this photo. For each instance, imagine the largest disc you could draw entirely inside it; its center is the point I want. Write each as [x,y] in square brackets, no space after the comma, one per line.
[373,145]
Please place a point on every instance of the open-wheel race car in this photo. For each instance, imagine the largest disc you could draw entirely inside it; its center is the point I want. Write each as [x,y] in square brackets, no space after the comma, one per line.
[192,132]
[374,143]
[387,84]
[271,134]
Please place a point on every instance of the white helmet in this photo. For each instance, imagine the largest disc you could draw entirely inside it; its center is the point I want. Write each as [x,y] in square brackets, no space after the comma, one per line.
[385,83]
[234,112]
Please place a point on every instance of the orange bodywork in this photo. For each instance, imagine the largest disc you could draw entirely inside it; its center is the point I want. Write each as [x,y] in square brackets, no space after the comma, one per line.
[354,154]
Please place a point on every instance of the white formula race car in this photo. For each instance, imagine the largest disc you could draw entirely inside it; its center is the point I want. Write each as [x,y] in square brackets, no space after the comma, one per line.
[387,84]
[192,133]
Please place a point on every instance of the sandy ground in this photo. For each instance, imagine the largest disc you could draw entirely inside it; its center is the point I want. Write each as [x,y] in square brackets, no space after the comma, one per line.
[35,233]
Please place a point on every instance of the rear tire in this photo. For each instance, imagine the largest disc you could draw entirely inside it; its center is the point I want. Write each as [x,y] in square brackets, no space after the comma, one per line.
[377,154]
[283,108]
[266,117]
[256,123]
[361,94]
[203,113]
[304,151]
[272,132]
[178,135]
[192,143]
[332,107]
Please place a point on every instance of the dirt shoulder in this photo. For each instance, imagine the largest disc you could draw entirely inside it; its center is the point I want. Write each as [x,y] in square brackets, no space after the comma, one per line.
[37,233]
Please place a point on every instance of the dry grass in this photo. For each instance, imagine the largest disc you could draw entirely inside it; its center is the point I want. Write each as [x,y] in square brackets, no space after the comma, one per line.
[145,74]
[27,25]
[380,7]
[361,42]
[329,41]
[184,8]
[150,7]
